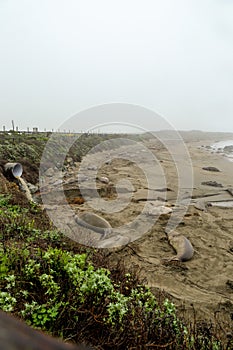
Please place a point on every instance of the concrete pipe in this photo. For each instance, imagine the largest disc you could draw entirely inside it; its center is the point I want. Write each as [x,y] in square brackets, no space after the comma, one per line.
[14,169]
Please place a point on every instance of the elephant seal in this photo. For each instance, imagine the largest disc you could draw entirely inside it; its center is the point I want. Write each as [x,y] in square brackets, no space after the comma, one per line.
[181,244]
[94,222]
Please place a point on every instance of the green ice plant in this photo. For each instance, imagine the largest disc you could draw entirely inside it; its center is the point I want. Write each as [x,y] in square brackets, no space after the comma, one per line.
[10,281]
[3,262]
[46,272]
[7,301]
[143,297]
[117,309]
[41,314]
[47,281]
[4,200]
[31,268]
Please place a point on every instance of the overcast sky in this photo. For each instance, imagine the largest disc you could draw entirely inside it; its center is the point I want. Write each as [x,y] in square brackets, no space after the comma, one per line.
[172,56]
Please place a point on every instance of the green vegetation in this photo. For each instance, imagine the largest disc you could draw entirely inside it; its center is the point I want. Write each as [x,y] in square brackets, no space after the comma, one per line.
[30,146]
[17,146]
[63,289]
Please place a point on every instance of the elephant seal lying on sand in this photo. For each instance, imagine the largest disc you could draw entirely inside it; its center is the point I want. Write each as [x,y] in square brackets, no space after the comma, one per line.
[94,222]
[181,244]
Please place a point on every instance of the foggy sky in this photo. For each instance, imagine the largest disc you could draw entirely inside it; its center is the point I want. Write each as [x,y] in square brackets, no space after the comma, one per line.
[60,57]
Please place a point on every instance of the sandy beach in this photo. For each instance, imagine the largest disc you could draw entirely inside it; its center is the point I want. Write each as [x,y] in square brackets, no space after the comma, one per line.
[205,283]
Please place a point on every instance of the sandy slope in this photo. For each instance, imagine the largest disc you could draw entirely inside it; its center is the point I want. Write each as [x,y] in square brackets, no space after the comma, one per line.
[207,280]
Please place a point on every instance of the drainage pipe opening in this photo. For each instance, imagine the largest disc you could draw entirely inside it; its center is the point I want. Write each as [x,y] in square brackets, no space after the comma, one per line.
[14,169]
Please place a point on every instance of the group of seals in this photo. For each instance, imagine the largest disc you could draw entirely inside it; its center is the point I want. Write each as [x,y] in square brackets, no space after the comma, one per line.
[181,244]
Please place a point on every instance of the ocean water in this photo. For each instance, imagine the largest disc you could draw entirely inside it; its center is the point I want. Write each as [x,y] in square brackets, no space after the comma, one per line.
[224,148]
